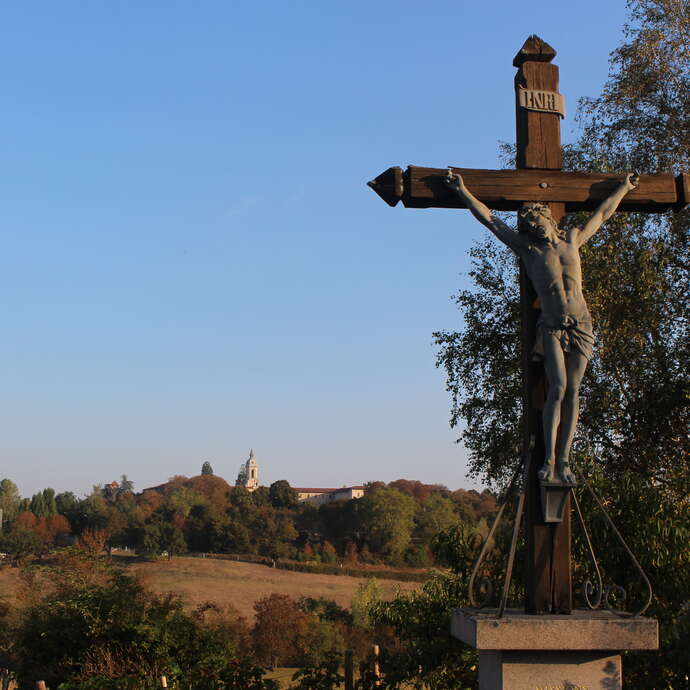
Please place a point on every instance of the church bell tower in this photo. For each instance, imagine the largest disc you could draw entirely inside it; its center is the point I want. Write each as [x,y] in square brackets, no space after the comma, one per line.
[249,473]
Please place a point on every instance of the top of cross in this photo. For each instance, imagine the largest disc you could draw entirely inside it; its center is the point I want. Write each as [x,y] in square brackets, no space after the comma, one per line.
[534,49]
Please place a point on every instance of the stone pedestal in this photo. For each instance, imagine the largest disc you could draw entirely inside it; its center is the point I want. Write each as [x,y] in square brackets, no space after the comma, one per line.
[580,651]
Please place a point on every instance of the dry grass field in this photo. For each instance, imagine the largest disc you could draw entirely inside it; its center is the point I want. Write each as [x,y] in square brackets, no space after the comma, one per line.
[224,582]
[241,584]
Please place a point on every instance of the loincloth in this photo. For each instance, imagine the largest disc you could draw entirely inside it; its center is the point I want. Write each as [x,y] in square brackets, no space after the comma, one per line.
[572,333]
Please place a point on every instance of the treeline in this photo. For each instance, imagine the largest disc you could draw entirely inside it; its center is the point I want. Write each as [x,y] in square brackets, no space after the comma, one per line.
[392,524]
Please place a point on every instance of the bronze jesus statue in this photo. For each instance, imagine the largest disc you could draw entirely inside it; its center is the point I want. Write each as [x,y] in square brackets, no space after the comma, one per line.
[564,331]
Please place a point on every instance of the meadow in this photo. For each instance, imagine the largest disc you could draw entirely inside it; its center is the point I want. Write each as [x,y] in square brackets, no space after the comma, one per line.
[223,582]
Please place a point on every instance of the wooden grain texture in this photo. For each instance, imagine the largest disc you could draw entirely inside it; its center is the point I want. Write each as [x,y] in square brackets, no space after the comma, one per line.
[538,134]
[561,570]
[537,541]
[349,664]
[547,546]
[507,190]
[389,185]
[534,49]
[683,190]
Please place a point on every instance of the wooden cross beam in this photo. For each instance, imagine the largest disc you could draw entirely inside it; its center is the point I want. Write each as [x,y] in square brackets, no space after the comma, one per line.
[539,107]
[507,190]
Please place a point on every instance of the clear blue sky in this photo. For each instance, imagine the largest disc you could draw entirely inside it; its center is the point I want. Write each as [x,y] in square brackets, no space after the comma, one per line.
[191,263]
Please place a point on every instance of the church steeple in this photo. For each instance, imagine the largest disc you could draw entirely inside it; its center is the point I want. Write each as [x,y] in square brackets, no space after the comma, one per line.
[251,472]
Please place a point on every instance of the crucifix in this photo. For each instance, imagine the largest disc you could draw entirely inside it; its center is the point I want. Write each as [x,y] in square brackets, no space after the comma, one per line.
[561,335]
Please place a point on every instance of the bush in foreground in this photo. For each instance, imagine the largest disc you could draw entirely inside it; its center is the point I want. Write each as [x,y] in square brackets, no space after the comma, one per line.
[97,627]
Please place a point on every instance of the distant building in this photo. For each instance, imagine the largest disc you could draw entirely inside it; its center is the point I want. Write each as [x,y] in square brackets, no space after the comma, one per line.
[248,476]
[320,497]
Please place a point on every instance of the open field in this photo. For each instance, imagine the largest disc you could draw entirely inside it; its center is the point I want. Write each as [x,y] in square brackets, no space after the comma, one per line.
[241,584]
[229,582]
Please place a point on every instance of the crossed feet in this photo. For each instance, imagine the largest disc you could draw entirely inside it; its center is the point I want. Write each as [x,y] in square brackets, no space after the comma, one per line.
[548,473]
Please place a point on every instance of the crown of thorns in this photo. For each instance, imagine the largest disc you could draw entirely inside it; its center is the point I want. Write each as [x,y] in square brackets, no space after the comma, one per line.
[534,209]
[530,211]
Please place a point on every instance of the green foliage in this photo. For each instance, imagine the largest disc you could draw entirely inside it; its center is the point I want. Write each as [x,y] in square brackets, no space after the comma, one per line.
[43,503]
[325,609]
[435,514]
[321,640]
[662,547]
[282,495]
[428,656]
[235,675]
[68,505]
[482,363]
[389,518]
[9,500]
[367,596]
[324,675]
[20,543]
[96,627]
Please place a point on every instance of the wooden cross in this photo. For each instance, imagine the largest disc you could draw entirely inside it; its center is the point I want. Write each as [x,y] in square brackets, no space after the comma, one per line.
[538,177]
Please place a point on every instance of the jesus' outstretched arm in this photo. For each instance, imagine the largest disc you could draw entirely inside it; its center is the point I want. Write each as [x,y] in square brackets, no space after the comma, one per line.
[482,213]
[607,208]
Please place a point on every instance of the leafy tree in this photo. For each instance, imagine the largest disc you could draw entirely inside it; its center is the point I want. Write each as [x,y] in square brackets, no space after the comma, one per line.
[228,624]
[325,609]
[280,624]
[180,501]
[328,552]
[172,540]
[9,500]
[323,675]
[282,495]
[93,510]
[426,655]
[150,540]
[387,518]
[419,491]
[206,468]
[234,537]
[68,505]
[93,541]
[21,543]
[321,639]
[482,363]
[116,526]
[367,596]
[271,531]
[37,505]
[52,530]
[436,513]
[43,503]
[126,485]
[215,489]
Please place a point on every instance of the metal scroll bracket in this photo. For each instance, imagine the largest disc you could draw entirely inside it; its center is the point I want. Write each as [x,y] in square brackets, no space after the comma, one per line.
[517,483]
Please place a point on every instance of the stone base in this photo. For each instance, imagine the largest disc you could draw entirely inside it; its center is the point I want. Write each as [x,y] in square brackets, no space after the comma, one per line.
[574,652]
[508,670]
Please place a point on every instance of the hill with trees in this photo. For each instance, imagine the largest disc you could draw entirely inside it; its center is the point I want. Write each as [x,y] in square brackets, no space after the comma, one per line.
[392,523]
